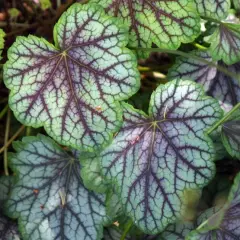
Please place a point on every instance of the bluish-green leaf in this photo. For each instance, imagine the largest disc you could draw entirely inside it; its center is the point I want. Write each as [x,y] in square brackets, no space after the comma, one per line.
[154,159]
[73,88]
[49,198]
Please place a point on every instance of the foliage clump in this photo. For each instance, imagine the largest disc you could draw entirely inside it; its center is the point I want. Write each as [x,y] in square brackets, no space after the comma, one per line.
[136,141]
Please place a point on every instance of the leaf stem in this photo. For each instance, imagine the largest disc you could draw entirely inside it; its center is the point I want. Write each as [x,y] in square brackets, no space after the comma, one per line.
[224,119]
[199,46]
[4,111]
[211,19]
[3,100]
[188,55]
[5,159]
[28,131]
[126,230]
[14,24]
[154,68]
[12,139]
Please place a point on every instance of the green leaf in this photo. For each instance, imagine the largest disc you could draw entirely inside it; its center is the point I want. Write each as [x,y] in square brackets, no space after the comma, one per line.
[216,83]
[216,9]
[14,13]
[49,198]
[172,138]
[225,43]
[218,145]
[73,88]
[221,223]
[2,35]
[113,205]
[45,4]
[166,23]
[231,137]
[236,4]
[91,173]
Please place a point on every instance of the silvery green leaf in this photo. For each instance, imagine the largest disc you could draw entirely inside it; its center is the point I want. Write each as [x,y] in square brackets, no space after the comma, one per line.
[49,198]
[172,138]
[73,88]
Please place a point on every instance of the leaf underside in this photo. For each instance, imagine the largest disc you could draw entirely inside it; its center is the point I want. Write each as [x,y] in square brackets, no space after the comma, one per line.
[221,223]
[73,88]
[166,23]
[49,198]
[217,84]
[171,138]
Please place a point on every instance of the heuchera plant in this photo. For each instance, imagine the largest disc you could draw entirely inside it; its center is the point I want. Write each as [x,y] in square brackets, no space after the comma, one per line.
[108,169]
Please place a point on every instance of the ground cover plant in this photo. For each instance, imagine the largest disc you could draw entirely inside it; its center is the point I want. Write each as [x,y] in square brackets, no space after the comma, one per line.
[120,120]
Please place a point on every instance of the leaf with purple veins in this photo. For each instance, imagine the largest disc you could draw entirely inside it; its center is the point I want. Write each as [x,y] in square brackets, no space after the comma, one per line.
[154,159]
[167,23]
[49,197]
[73,89]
